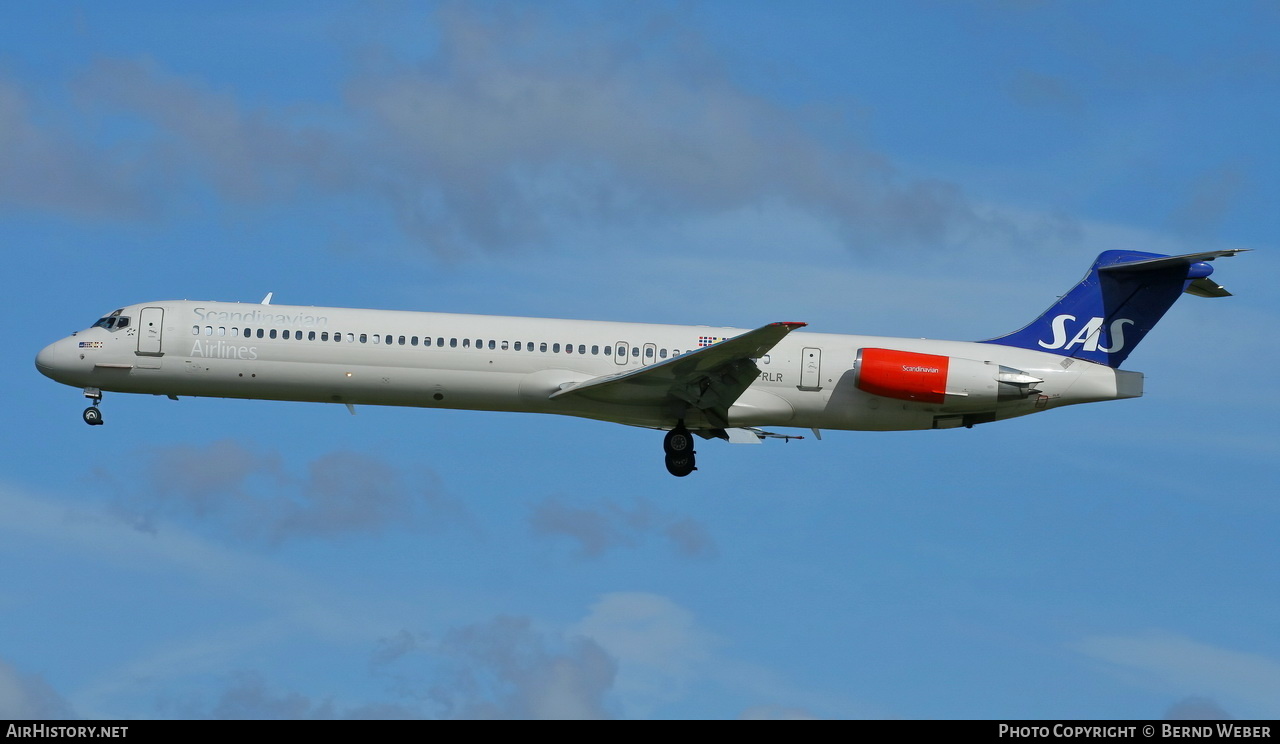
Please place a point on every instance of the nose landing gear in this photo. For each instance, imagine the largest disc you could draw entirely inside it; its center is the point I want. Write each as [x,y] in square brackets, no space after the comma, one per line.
[93,416]
[678,445]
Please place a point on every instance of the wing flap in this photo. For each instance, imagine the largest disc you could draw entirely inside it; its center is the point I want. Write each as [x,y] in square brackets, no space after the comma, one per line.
[709,379]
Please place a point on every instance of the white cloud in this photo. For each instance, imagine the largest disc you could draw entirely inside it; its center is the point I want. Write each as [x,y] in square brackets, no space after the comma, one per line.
[1245,682]
[607,526]
[28,697]
[249,493]
[505,668]
[666,657]
[285,603]
[660,648]
[517,127]
[46,167]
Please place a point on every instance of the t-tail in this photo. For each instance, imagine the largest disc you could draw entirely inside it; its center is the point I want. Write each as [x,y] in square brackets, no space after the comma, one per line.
[1104,317]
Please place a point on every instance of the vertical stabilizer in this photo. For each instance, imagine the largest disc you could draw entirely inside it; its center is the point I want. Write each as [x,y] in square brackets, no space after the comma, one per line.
[1104,317]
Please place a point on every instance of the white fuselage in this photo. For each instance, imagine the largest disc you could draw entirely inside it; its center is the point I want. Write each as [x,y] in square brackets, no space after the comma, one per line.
[478,362]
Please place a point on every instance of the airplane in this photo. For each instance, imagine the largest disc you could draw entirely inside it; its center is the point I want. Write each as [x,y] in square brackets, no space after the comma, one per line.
[725,383]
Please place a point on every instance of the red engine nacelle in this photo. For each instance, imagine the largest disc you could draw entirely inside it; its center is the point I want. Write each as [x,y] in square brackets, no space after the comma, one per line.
[951,382]
[905,375]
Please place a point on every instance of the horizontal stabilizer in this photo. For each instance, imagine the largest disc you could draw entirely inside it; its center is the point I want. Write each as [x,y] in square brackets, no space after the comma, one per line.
[1198,282]
[1164,262]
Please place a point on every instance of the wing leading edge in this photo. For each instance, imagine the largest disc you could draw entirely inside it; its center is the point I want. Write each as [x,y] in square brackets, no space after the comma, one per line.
[708,380]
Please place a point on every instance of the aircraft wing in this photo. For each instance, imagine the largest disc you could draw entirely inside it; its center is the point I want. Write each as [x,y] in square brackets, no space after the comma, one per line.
[709,379]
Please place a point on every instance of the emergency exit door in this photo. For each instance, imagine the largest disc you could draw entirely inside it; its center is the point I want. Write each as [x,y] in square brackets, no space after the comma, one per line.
[810,369]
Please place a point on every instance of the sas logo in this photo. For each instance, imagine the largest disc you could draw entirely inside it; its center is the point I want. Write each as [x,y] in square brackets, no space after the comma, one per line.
[1088,336]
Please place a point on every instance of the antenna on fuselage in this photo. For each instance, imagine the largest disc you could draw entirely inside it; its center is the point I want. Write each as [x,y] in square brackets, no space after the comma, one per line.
[267,300]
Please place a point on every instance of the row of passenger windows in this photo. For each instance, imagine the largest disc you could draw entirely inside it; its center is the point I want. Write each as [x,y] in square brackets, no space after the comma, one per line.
[649,351]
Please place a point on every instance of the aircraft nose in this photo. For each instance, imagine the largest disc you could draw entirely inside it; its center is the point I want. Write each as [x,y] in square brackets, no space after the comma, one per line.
[51,358]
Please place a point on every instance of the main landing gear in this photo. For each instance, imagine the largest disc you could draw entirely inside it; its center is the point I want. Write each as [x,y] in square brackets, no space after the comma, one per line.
[92,415]
[679,448]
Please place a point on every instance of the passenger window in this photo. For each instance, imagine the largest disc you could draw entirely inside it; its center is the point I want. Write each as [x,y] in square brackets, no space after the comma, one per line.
[285,334]
[260,333]
[517,346]
[311,335]
[274,333]
[479,344]
[608,351]
[766,358]
[401,340]
[568,348]
[453,343]
[413,340]
[351,338]
[635,351]
[377,339]
[324,335]
[208,330]
[648,352]
[364,338]
[195,330]
[504,345]
[543,347]
[529,346]
[555,348]
[440,342]
[235,331]
[582,348]
[222,330]
[492,344]
[662,354]
[466,343]
[595,349]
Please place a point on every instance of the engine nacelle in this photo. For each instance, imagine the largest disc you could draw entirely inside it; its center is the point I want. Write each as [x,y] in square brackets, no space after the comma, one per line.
[952,383]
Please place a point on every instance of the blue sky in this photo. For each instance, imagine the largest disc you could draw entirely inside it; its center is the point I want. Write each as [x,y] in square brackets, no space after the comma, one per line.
[914,168]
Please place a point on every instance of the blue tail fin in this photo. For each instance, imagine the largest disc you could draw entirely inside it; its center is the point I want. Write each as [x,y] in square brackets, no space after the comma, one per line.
[1111,310]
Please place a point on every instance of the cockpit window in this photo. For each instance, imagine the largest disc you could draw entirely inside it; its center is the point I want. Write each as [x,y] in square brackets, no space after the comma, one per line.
[112,321]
